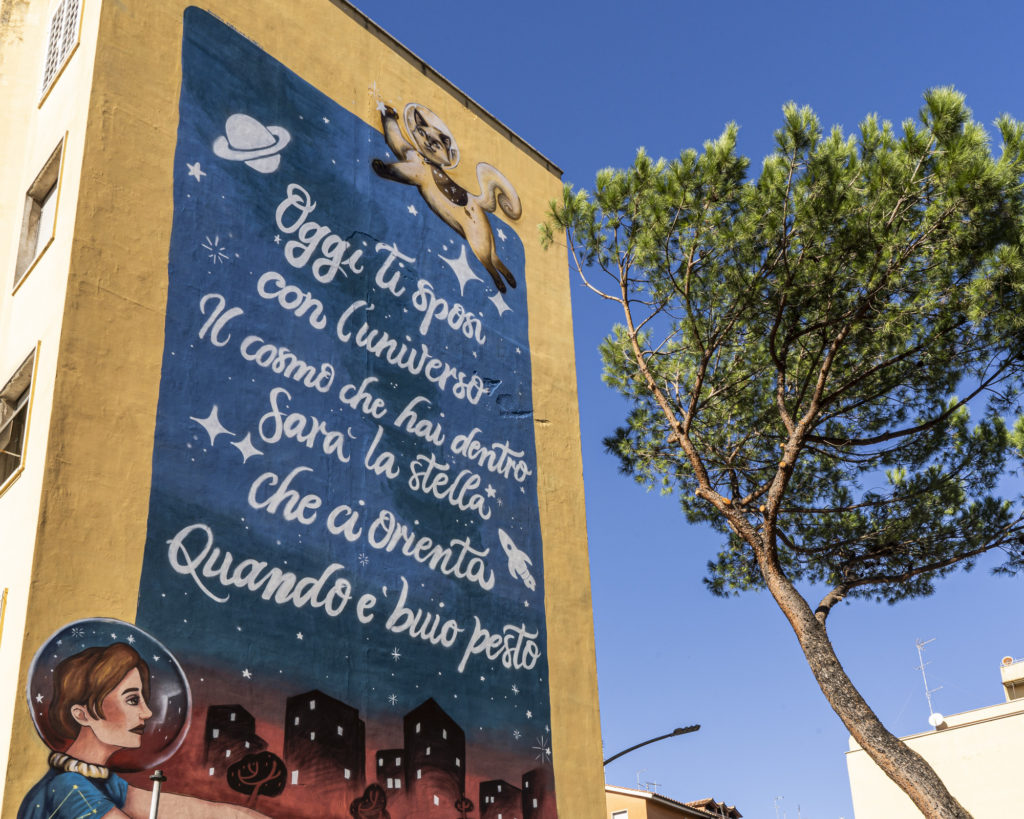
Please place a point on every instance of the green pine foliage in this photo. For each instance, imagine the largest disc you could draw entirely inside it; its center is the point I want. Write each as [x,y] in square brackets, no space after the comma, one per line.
[823,360]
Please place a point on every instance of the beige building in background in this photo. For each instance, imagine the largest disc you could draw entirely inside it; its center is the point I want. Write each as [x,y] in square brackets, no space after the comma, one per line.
[976,753]
[629,803]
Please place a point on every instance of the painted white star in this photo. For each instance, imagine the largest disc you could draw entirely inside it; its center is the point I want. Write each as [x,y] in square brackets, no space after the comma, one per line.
[131,639]
[490,490]
[412,210]
[247,673]
[299,636]
[381,107]
[113,636]
[516,735]
[460,267]
[396,655]
[499,303]
[326,121]
[277,238]
[211,423]
[393,699]
[39,697]
[529,714]
[217,252]
[515,690]
[543,749]
[501,235]
[195,171]
[156,658]
[246,448]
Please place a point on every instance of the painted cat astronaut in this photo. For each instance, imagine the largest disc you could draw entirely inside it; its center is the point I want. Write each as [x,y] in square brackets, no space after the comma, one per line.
[424,161]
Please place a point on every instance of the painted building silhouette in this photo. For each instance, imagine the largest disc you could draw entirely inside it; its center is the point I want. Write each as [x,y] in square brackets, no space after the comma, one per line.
[390,771]
[500,800]
[230,734]
[324,743]
[538,792]
[435,765]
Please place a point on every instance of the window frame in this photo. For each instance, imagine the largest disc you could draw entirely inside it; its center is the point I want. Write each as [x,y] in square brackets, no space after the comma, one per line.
[17,394]
[31,244]
[64,42]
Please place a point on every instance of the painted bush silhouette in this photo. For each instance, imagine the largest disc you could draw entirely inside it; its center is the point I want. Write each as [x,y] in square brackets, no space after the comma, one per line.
[464,806]
[256,774]
[371,805]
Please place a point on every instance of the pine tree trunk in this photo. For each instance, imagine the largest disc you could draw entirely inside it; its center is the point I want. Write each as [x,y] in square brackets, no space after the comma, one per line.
[901,764]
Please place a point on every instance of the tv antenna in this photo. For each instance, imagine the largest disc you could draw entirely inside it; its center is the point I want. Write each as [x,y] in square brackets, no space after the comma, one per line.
[935,719]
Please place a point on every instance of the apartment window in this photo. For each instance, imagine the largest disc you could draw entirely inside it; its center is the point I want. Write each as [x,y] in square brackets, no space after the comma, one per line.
[215,733]
[63,38]
[295,777]
[620,814]
[40,215]
[14,403]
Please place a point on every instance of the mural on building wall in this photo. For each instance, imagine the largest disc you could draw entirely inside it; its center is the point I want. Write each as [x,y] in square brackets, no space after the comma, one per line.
[343,544]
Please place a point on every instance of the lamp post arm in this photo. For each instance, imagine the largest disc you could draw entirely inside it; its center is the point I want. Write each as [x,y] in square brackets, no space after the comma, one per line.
[689,729]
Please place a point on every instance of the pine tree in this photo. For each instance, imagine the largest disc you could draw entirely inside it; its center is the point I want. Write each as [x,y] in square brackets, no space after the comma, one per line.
[803,354]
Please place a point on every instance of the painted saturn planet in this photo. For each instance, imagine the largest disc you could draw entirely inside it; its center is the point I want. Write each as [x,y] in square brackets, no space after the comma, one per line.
[248,140]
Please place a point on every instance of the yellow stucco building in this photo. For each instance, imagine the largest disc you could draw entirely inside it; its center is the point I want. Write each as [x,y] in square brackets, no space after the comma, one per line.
[290,442]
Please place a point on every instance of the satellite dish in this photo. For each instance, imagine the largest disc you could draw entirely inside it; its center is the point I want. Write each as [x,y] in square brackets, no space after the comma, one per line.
[1007,661]
[936,719]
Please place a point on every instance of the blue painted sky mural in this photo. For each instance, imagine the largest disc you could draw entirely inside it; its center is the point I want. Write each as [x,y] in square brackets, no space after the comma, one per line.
[344,484]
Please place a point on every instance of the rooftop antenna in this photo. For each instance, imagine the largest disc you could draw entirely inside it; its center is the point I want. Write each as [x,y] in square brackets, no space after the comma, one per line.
[777,798]
[935,719]
[638,778]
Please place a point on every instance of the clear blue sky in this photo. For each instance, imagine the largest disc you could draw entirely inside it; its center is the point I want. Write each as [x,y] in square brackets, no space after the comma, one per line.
[587,84]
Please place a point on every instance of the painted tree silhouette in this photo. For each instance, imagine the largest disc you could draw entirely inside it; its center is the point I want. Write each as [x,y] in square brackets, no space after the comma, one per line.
[255,774]
[464,806]
[373,804]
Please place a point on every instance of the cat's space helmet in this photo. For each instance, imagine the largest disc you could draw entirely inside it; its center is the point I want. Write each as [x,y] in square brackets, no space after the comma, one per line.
[418,117]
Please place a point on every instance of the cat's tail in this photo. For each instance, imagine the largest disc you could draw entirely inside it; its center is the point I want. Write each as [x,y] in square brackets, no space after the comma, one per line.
[497,191]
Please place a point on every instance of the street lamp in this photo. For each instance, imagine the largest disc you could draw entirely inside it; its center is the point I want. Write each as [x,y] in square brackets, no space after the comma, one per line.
[689,729]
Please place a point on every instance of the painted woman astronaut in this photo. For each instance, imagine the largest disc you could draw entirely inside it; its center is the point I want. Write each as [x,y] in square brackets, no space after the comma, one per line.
[99,706]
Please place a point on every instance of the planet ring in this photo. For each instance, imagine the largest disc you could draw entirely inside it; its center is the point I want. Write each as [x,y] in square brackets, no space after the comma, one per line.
[223,148]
